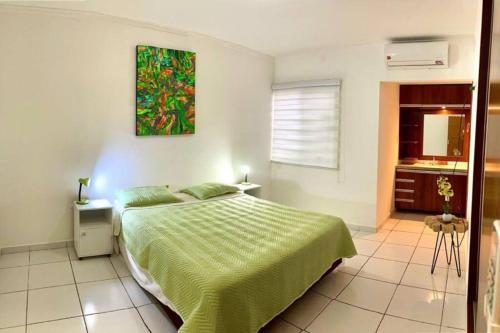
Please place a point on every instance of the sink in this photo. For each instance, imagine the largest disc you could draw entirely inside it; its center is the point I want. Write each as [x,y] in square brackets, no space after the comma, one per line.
[437,165]
[428,165]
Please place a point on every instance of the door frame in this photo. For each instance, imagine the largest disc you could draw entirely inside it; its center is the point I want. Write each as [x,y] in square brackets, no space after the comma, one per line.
[478,161]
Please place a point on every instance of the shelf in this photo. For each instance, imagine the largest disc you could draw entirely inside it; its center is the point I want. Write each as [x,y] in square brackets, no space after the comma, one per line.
[95,218]
[94,223]
[436,106]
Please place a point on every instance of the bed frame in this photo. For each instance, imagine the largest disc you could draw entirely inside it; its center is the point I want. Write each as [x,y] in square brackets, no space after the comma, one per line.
[177,320]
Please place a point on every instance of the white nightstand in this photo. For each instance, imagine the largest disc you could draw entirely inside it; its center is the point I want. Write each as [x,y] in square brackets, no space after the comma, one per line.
[248,188]
[93,228]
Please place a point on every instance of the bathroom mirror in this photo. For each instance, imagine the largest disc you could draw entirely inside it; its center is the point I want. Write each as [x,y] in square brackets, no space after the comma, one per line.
[444,135]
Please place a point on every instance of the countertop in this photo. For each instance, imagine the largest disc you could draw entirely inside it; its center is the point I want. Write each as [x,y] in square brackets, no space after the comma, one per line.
[461,167]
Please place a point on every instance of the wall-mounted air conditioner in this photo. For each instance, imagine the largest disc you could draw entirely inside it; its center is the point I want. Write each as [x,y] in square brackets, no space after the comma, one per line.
[416,55]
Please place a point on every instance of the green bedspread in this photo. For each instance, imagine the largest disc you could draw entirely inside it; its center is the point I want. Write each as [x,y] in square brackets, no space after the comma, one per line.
[231,265]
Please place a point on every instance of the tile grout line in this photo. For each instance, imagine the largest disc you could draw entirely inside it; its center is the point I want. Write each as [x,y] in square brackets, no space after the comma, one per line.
[387,314]
[27,294]
[71,317]
[58,285]
[78,293]
[52,320]
[94,281]
[384,314]
[27,290]
[334,299]
[444,295]
[303,329]
[400,280]
[292,324]
[398,284]
[331,301]
[360,269]
[128,295]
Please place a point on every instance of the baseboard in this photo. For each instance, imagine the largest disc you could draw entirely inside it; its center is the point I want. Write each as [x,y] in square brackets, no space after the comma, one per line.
[36,247]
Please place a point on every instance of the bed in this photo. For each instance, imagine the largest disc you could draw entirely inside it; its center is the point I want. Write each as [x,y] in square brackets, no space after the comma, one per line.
[232,263]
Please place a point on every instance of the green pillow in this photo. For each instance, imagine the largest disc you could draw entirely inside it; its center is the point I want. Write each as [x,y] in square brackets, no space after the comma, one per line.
[146,196]
[209,190]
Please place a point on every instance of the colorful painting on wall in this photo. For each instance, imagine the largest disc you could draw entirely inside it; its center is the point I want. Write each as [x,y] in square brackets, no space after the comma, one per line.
[165,91]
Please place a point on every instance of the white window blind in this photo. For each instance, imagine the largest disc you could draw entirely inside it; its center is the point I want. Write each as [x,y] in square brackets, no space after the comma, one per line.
[305,127]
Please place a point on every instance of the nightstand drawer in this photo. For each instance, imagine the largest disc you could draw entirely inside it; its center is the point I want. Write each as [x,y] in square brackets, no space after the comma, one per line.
[95,240]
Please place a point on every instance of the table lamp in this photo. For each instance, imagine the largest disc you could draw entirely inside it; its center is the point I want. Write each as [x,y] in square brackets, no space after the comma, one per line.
[85,182]
[245,169]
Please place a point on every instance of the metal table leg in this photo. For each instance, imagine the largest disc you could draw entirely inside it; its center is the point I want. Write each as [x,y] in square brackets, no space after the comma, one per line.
[455,249]
[437,248]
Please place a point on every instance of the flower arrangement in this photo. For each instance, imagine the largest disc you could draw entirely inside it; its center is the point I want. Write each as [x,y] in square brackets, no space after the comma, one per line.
[445,190]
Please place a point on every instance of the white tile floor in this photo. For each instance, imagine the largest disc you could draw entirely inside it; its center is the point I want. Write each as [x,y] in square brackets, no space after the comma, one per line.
[50,291]
[387,288]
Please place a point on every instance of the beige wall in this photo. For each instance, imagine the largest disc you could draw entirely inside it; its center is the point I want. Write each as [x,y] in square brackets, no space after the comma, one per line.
[351,191]
[388,137]
[67,109]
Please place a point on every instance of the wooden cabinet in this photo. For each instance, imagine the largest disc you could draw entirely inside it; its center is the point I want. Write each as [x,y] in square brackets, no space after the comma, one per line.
[417,101]
[429,94]
[416,190]
[410,133]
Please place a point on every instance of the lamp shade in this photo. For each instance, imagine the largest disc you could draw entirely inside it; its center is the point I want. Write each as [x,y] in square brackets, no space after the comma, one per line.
[245,169]
[84,181]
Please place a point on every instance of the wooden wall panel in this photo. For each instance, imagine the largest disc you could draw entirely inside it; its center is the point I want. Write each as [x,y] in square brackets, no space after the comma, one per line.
[435,94]
[411,118]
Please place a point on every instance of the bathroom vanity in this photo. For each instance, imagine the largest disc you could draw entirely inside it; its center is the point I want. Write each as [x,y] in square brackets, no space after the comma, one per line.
[416,188]
[434,134]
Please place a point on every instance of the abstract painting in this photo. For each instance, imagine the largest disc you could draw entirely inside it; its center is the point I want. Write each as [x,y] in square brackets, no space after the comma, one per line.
[165,91]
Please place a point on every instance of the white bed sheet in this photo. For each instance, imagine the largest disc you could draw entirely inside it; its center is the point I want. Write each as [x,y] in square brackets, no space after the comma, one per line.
[144,279]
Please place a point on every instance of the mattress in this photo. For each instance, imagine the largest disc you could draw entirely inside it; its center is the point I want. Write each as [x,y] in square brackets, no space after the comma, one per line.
[230,264]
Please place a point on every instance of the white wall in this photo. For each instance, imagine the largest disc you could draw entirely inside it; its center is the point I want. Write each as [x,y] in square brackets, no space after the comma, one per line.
[351,191]
[388,149]
[67,110]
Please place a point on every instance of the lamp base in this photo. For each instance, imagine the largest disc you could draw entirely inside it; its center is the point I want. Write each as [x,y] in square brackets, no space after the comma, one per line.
[245,183]
[83,202]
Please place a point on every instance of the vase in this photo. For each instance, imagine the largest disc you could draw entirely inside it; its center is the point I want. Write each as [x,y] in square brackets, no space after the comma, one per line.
[447,217]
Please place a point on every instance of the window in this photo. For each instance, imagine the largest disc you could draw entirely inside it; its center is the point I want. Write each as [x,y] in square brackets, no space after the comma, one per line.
[305,127]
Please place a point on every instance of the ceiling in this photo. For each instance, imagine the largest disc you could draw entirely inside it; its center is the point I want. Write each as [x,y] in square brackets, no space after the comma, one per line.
[282,26]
